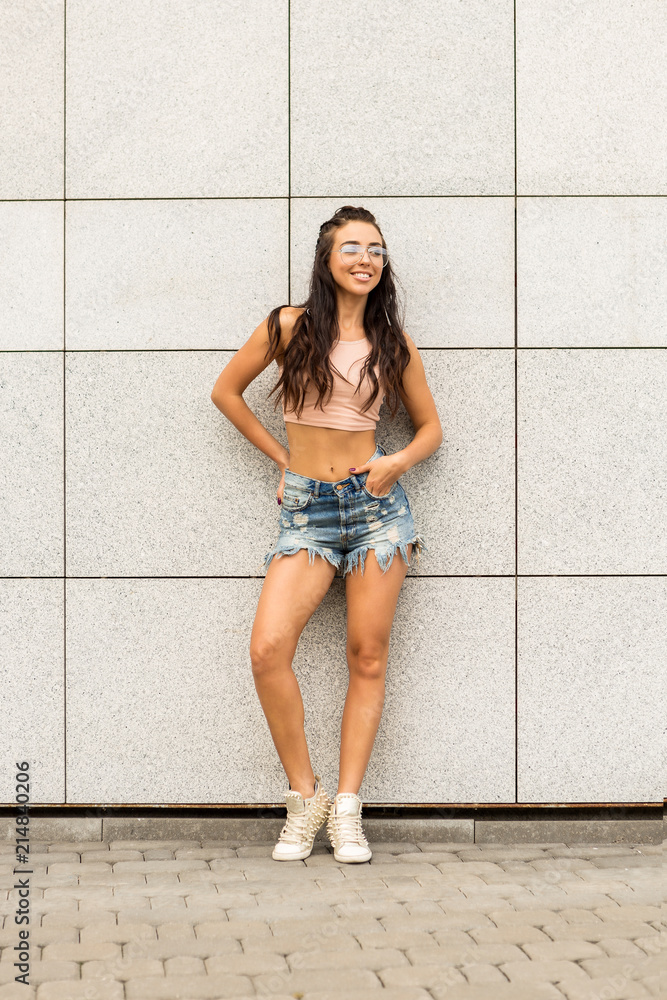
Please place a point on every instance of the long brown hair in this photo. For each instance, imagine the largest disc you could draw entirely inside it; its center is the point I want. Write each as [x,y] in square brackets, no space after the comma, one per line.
[316,330]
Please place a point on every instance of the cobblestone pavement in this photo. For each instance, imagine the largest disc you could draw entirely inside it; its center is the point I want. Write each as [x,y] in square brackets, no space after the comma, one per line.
[158,920]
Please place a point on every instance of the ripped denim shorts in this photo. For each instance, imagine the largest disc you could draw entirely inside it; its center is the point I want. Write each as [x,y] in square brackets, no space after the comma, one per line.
[341,521]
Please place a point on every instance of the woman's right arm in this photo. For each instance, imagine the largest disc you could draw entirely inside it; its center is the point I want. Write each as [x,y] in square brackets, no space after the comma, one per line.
[244,366]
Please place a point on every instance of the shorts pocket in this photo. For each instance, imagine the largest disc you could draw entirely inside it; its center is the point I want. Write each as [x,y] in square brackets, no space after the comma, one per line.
[295,499]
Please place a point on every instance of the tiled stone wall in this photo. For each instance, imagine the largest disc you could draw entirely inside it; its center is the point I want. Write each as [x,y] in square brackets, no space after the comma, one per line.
[164,173]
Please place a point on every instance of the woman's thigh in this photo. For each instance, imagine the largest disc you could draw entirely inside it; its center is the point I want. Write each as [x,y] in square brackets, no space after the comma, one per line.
[371,606]
[292,590]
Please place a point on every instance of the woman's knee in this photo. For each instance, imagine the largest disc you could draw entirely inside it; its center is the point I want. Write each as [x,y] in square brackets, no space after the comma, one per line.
[269,652]
[367,659]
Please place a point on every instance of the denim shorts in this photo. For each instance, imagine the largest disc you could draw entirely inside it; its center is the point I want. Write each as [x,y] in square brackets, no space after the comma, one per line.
[341,521]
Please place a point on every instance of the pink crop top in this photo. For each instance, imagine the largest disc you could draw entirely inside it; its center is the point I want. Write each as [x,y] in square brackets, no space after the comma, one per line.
[343,410]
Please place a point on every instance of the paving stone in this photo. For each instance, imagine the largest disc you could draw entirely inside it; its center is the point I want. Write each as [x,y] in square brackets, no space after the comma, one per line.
[621,947]
[17,991]
[627,968]
[256,963]
[598,931]
[543,971]
[469,954]
[335,925]
[508,934]
[654,985]
[628,912]
[41,972]
[535,917]
[207,853]
[481,975]
[629,861]
[507,991]
[230,928]
[579,915]
[607,989]
[404,993]
[562,951]
[367,958]
[40,936]
[359,910]
[167,865]
[178,931]
[81,990]
[88,951]
[430,977]
[119,933]
[151,845]
[652,944]
[280,911]
[195,947]
[186,965]
[395,939]
[307,980]
[319,938]
[123,969]
[501,854]
[190,987]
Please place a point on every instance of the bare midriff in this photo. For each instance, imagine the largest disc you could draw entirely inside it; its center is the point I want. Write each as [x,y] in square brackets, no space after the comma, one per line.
[326,453]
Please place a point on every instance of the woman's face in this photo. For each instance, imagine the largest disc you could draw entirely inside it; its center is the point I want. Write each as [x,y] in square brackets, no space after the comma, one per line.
[360,276]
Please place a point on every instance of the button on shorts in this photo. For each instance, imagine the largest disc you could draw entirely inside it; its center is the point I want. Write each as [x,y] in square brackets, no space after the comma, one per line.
[341,521]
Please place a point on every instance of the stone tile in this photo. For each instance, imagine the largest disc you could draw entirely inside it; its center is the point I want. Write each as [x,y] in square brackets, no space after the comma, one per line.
[152,280]
[116,147]
[612,272]
[32,237]
[555,610]
[624,543]
[479,64]
[31,637]
[32,166]
[611,144]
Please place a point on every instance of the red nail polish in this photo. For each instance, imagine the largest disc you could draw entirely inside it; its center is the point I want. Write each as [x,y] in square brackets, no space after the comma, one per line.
[351,470]
[279,501]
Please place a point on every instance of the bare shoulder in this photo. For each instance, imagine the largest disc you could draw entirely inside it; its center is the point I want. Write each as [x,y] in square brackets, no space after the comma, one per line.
[288,317]
[412,347]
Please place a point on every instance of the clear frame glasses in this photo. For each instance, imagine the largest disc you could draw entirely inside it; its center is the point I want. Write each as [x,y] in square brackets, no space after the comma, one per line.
[352,253]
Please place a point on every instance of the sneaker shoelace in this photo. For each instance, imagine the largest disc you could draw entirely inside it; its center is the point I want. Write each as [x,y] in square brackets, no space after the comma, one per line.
[299,826]
[347,829]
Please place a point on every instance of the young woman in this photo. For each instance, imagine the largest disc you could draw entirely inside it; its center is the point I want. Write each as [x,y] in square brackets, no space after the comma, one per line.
[342,505]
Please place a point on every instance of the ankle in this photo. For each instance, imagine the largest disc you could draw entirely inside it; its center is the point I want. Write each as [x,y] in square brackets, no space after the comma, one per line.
[304,789]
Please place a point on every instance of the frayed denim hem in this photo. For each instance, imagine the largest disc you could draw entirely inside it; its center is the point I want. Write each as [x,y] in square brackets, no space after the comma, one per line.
[313,551]
[356,560]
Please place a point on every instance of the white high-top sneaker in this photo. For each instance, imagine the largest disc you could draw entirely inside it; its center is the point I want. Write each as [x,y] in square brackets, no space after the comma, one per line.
[344,829]
[304,818]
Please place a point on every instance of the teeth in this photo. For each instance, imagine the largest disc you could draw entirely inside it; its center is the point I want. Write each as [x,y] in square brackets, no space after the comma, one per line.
[360,274]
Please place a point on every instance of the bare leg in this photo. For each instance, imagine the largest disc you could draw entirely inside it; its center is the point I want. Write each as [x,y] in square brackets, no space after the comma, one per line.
[371,605]
[291,592]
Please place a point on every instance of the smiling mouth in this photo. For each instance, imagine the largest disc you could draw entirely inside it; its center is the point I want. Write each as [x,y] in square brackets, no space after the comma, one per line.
[361,275]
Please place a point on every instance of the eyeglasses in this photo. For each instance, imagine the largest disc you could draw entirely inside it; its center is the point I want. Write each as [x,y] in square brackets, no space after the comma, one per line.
[352,253]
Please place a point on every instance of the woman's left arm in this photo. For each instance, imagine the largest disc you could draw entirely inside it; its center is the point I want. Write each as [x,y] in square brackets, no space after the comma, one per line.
[419,403]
